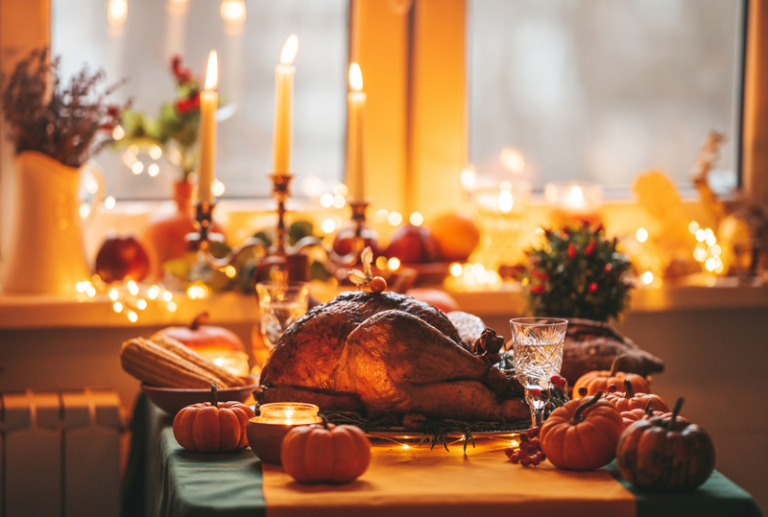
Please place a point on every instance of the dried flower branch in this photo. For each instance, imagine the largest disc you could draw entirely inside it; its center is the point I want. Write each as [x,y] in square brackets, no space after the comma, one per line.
[66,124]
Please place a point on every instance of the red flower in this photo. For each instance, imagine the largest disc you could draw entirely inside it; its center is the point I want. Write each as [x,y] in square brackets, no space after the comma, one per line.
[540,274]
[571,251]
[608,268]
[590,249]
[537,289]
[191,103]
[592,287]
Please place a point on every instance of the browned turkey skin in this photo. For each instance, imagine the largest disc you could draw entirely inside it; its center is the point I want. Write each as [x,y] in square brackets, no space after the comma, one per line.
[387,353]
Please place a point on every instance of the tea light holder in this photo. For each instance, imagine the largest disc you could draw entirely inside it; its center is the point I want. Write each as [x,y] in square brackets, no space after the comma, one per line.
[267,431]
[574,203]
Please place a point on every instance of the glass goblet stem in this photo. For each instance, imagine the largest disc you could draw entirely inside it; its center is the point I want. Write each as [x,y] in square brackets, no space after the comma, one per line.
[538,405]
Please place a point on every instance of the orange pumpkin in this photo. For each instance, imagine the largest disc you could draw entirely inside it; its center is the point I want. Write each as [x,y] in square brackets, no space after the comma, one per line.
[630,417]
[630,400]
[200,337]
[325,453]
[666,454]
[581,435]
[213,426]
[599,380]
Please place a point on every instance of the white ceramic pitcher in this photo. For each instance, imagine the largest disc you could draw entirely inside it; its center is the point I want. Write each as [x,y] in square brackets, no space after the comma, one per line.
[47,252]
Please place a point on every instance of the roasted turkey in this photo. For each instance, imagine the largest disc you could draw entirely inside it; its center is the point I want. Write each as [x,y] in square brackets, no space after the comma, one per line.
[385,353]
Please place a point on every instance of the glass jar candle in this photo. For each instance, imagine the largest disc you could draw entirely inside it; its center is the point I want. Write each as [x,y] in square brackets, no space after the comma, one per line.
[288,413]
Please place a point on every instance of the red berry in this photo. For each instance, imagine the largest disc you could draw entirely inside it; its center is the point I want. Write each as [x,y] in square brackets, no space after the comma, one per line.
[509,451]
[533,432]
[541,456]
[535,392]
[590,249]
[535,461]
[514,458]
[523,437]
[583,391]
[608,268]
[535,443]
[612,388]
[592,287]
[526,461]
[571,251]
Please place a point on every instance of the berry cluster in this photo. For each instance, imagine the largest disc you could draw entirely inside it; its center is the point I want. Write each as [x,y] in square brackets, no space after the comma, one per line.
[558,382]
[529,452]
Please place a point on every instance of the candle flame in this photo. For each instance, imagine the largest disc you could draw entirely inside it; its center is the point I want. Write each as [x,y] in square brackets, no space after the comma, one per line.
[355,77]
[576,196]
[212,75]
[289,50]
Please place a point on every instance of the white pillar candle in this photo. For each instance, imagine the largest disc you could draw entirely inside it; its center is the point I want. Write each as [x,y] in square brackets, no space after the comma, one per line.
[284,107]
[356,134]
[209,101]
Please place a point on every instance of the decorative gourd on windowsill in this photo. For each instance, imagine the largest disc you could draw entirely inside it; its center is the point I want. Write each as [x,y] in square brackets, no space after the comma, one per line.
[666,454]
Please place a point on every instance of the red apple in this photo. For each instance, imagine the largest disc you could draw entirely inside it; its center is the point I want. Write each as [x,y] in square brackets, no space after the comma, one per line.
[413,245]
[435,297]
[122,258]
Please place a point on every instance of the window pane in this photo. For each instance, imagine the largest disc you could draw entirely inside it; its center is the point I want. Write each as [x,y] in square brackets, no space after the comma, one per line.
[141,47]
[600,90]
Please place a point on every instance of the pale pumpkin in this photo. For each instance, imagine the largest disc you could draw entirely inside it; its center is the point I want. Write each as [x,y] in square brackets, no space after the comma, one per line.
[630,400]
[599,380]
[213,426]
[666,454]
[325,453]
[201,337]
[581,435]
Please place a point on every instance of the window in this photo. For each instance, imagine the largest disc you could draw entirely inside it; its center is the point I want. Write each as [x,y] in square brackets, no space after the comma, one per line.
[598,90]
[139,47]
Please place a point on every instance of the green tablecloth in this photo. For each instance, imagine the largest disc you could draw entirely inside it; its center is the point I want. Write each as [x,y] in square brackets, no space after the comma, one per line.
[165,480]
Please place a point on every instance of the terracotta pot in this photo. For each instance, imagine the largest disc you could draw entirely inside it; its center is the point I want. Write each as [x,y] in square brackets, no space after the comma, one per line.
[47,253]
[166,231]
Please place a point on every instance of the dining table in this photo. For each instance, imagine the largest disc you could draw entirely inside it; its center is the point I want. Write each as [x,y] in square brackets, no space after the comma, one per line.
[403,480]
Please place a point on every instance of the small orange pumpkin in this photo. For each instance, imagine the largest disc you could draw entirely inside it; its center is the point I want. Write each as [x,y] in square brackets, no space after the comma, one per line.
[326,453]
[599,380]
[633,415]
[630,400]
[581,435]
[213,426]
[666,454]
[199,336]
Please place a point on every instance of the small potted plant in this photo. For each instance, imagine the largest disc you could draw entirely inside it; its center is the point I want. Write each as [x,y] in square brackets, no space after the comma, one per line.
[54,129]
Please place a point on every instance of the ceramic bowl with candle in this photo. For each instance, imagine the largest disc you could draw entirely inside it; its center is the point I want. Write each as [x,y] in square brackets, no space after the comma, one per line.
[267,431]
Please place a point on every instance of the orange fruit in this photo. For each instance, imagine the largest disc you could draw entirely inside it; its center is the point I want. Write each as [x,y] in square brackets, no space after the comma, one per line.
[456,236]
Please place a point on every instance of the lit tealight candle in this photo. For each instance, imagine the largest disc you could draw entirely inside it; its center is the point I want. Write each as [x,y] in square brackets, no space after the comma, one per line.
[284,106]
[288,413]
[574,203]
[209,101]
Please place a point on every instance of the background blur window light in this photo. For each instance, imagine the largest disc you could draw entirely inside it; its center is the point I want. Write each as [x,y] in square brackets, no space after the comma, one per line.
[136,39]
[601,90]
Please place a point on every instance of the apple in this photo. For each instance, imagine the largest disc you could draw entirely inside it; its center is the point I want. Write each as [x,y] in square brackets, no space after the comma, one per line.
[413,245]
[122,258]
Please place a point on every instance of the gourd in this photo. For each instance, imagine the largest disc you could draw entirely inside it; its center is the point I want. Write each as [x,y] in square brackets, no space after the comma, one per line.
[199,336]
[599,380]
[326,453]
[633,415]
[666,454]
[630,400]
[598,427]
[213,426]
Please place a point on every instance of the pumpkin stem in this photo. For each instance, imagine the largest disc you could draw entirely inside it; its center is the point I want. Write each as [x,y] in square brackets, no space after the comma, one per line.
[325,422]
[615,365]
[200,319]
[584,405]
[629,390]
[648,410]
[214,395]
[678,407]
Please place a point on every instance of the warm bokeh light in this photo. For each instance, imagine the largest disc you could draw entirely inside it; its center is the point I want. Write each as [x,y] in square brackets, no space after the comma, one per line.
[339,201]
[117,11]
[113,294]
[456,269]
[155,152]
[395,218]
[326,200]
[133,287]
[171,307]
[506,201]
[468,178]
[575,195]
[382,215]
[642,234]
[355,77]
[137,167]
[233,10]
[153,292]
[217,188]
[84,210]
[167,296]
[393,264]
[230,271]
[110,203]
[328,226]
[647,278]
[693,227]
[153,170]
[340,190]
[513,160]
[118,133]
[416,219]
[289,50]
[141,304]
[117,307]
[700,235]
[132,317]
[212,73]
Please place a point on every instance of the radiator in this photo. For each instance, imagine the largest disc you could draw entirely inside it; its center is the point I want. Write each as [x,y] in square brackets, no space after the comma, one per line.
[60,454]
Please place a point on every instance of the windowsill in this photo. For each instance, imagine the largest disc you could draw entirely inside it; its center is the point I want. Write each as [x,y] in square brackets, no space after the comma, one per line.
[29,312]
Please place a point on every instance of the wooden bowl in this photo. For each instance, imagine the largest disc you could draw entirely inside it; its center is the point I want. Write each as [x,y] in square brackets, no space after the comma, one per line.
[173,400]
